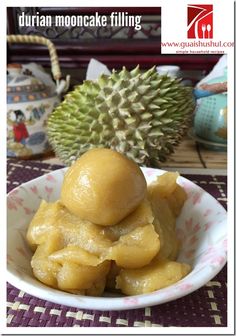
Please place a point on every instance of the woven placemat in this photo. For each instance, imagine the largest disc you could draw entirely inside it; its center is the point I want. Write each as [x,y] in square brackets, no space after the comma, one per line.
[206,307]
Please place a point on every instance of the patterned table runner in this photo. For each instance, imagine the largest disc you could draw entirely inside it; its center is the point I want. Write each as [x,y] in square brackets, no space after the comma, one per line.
[206,307]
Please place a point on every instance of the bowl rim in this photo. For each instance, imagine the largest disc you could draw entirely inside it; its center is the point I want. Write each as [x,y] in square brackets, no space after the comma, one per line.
[110,303]
[106,303]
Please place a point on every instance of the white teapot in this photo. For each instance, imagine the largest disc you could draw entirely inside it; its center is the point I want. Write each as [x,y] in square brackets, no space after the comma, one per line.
[31,97]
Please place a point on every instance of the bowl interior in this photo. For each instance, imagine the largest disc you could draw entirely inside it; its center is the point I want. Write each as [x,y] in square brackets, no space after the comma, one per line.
[201,227]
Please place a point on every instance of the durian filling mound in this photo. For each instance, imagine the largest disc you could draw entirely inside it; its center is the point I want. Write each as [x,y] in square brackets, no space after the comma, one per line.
[132,250]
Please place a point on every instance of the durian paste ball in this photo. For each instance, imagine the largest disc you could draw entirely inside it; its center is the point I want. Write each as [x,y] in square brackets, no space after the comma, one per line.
[103,187]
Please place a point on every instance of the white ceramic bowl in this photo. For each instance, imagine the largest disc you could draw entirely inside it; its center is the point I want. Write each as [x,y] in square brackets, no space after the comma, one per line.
[201,226]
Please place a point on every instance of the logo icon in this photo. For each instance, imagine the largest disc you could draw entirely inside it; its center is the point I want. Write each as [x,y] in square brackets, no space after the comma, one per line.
[200,21]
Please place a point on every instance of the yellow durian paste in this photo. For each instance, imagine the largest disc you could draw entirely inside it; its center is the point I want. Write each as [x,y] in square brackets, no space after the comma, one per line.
[109,230]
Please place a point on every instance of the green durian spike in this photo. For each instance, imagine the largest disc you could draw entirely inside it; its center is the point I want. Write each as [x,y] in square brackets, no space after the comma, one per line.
[139,113]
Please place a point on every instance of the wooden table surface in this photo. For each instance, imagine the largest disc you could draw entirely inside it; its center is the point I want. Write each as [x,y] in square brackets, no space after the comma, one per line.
[188,157]
[191,155]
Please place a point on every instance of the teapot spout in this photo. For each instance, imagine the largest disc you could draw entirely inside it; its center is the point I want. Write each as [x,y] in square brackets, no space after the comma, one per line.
[206,90]
[63,85]
[199,93]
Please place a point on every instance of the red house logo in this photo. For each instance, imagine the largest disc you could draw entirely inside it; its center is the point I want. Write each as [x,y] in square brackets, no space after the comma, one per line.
[200,21]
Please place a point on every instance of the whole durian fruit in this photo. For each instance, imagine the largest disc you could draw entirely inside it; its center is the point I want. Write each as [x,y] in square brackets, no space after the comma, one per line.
[141,114]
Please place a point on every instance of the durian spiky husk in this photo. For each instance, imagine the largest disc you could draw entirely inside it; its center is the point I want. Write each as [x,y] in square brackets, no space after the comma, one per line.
[141,114]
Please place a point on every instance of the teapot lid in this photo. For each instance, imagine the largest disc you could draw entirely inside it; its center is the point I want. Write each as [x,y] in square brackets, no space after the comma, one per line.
[19,80]
[219,79]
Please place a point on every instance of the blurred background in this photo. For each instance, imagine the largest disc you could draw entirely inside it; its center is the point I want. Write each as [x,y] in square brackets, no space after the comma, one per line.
[115,47]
